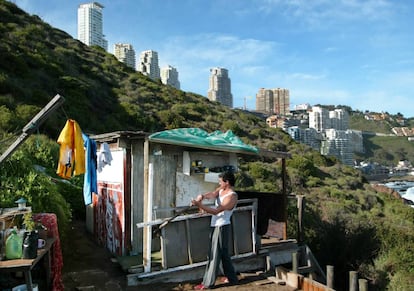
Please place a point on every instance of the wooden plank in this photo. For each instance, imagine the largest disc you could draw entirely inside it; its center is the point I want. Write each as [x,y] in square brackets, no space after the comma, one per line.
[291,279]
[147,216]
[189,242]
[137,197]
[184,217]
[242,232]
[198,231]
[164,182]
[263,282]
[175,245]
[193,272]
[308,284]
[34,124]
[276,280]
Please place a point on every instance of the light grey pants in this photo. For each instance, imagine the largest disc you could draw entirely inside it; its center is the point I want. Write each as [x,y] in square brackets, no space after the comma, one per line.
[219,253]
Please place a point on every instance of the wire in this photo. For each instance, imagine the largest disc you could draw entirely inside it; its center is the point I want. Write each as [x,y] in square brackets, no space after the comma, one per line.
[63,109]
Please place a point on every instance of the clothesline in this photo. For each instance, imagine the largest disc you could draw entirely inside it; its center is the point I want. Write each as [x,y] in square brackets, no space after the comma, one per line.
[78,155]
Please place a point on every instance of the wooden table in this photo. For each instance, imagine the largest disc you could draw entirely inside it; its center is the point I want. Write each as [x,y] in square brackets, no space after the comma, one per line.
[26,265]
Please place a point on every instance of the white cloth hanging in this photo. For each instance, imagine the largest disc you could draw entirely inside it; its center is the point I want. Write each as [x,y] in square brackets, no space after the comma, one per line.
[104,156]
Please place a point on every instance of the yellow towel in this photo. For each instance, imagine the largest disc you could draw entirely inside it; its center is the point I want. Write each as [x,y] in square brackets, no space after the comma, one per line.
[72,151]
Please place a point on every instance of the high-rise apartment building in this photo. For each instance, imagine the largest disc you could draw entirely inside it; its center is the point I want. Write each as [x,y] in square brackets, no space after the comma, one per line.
[90,25]
[220,87]
[339,119]
[125,53]
[319,118]
[273,101]
[264,101]
[169,76]
[148,64]
[308,136]
[337,143]
[302,107]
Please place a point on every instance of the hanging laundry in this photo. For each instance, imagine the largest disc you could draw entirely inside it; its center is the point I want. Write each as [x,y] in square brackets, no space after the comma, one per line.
[72,152]
[90,184]
[105,156]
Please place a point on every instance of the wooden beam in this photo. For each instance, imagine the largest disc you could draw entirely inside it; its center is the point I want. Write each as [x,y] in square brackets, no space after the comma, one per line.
[147,235]
[285,200]
[34,124]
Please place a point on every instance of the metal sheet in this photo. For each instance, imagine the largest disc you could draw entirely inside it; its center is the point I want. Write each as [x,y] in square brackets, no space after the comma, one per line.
[174,245]
[199,232]
[186,241]
[242,227]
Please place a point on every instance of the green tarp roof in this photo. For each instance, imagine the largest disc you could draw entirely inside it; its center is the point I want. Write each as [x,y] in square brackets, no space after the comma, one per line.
[198,137]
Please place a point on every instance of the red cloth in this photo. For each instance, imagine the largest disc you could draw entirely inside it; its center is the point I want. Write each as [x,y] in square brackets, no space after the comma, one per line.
[49,220]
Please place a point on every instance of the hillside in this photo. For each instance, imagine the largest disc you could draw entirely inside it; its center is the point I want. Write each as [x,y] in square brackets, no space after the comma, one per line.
[388,150]
[37,62]
[383,148]
[347,223]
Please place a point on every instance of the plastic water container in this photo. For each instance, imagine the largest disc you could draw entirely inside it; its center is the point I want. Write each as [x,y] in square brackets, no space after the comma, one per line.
[14,246]
[24,287]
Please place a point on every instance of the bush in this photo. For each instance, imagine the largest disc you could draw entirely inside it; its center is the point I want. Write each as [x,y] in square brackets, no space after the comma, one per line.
[24,174]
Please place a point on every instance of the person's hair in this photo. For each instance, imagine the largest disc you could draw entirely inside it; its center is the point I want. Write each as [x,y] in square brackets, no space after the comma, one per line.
[228,177]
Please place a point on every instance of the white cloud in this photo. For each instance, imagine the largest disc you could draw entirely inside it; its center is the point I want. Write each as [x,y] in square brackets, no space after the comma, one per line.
[352,52]
[321,13]
[217,50]
[195,55]
[304,76]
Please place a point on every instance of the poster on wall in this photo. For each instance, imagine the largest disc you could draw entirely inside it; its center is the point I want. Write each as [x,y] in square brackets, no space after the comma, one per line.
[109,216]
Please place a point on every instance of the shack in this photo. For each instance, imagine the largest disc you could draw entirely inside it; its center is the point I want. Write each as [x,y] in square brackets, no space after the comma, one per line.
[147,180]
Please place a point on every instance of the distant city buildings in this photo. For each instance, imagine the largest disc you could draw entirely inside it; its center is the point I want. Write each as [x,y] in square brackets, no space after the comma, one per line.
[403,131]
[339,119]
[220,87]
[283,121]
[125,53]
[90,23]
[148,64]
[169,76]
[337,143]
[302,107]
[273,101]
[328,132]
[322,129]
[308,136]
[319,118]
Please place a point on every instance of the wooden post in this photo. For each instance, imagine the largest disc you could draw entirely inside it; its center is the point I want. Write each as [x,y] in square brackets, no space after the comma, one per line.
[285,203]
[353,281]
[330,276]
[295,262]
[363,284]
[301,205]
[147,235]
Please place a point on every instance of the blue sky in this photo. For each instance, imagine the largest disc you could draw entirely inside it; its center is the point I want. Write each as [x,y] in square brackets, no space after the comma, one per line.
[358,53]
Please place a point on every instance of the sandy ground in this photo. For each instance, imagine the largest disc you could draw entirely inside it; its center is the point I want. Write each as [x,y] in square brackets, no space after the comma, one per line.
[88,266]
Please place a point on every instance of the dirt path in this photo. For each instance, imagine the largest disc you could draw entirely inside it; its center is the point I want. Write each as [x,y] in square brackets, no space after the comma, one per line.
[88,266]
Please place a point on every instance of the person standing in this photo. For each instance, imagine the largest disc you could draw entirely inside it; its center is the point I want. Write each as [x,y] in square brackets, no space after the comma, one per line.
[220,227]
